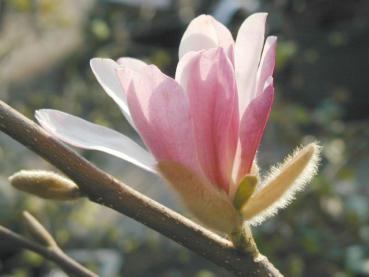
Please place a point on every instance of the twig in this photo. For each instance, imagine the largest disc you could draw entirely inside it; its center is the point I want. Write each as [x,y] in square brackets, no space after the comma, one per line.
[39,232]
[104,189]
[54,254]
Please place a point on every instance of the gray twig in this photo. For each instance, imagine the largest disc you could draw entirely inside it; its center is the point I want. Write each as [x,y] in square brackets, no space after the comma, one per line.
[54,253]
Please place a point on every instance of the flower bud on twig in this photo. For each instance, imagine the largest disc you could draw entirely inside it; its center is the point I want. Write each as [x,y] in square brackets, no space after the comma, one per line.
[45,184]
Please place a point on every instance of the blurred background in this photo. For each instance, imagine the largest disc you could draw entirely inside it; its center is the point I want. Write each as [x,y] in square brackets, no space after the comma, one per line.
[322,93]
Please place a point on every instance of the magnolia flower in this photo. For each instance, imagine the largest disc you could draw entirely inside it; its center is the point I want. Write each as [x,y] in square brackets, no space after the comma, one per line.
[203,127]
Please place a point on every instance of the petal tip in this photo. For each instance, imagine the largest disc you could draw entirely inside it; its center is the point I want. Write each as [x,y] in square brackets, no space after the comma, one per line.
[259,15]
[93,61]
[96,61]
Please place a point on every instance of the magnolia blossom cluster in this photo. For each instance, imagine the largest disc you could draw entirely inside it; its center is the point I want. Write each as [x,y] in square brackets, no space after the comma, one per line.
[202,128]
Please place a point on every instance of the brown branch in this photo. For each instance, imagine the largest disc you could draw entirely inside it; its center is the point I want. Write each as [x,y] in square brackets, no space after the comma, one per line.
[104,189]
[54,254]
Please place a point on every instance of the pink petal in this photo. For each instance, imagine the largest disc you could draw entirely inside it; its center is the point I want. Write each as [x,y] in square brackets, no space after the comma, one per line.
[267,63]
[205,32]
[208,78]
[249,44]
[182,66]
[252,127]
[160,111]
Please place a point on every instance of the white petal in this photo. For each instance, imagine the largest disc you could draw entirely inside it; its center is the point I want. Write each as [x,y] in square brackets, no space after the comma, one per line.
[104,70]
[204,32]
[86,135]
[249,44]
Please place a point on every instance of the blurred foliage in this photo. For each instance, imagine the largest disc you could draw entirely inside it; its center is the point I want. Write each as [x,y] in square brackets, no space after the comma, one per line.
[322,88]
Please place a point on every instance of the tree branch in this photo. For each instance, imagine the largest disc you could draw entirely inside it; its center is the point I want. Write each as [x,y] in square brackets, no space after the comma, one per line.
[54,254]
[102,188]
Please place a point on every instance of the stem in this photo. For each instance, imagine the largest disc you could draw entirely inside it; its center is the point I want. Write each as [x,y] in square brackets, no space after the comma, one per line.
[243,240]
[54,254]
[105,190]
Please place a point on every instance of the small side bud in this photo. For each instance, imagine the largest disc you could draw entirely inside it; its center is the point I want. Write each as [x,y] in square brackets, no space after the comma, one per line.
[281,185]
[45,184]
[38,232]
[244,191]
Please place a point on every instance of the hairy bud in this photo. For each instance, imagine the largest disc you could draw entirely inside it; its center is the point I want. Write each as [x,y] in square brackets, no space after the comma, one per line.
[281,185]
[45,184]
